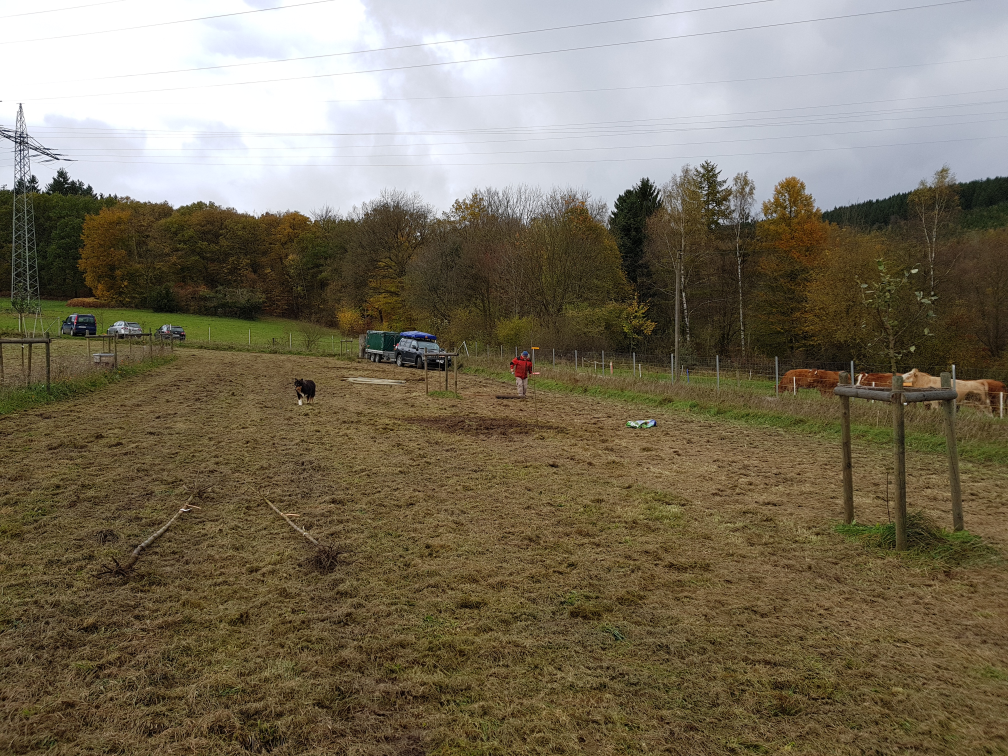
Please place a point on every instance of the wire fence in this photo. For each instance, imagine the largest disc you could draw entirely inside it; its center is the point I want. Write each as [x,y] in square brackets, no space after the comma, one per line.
[750,368]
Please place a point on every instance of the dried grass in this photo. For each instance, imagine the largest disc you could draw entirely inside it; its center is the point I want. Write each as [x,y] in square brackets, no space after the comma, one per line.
[595,590]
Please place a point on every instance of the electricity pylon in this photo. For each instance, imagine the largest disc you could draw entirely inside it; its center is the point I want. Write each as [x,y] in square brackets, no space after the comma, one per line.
[24,257]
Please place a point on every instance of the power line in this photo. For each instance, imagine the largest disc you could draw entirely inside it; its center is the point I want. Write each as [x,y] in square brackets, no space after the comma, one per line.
[167,23]
[565,162]
[415,45]
[706,82]
[60,10]
[513,56]
[115,133]
[430,154]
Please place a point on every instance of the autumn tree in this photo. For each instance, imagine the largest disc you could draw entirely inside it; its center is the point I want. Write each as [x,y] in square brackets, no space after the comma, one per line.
[390,230]
[793,236]
[122,258]
[982,285]
[569,255]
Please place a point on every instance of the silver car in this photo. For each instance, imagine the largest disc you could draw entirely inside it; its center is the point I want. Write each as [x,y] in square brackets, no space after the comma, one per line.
[124,329]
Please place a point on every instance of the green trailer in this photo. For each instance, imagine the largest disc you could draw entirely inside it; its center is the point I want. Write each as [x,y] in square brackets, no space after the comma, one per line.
[380,345]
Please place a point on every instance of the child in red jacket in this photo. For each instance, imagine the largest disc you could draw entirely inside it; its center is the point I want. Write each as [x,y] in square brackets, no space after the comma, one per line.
[522,369]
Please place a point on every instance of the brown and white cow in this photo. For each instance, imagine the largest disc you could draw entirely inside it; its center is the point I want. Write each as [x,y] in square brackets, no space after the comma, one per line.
[825,381]
[995,390]
[968,392]
[793,380]
[875,380]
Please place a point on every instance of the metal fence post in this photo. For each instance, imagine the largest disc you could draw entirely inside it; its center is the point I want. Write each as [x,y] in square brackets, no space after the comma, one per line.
[717,369]
[48,386]
[776,370]
[848,467]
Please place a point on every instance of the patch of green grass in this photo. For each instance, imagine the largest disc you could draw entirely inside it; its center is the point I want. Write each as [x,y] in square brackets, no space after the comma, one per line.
[926,540]
[23,398]
[201,330]
[443,394]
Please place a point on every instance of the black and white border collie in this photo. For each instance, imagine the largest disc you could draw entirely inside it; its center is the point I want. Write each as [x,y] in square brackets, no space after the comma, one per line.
[305,389]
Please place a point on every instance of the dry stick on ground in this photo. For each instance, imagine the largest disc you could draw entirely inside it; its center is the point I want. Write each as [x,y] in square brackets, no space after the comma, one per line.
[325,556]
[124,569]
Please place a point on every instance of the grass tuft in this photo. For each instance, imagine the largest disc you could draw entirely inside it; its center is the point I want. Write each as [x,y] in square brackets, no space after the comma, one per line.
[925,539]
[443,395]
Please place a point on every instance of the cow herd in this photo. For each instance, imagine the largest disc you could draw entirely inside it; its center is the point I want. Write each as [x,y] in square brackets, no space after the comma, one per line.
[982,394]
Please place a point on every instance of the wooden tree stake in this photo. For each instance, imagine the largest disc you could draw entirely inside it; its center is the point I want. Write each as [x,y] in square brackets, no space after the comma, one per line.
[899,459]
[848,467]
[948,406]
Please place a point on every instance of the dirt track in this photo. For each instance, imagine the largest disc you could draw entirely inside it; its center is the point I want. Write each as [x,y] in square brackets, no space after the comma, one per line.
[518,577]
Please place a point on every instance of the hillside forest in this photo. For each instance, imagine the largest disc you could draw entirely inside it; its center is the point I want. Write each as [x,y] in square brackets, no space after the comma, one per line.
[920,278]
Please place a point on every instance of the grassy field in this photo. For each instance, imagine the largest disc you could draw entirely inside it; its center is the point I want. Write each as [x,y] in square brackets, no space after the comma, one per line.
[201,330]
[513,577]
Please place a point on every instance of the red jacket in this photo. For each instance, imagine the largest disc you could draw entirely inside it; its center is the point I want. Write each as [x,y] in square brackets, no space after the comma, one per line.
[522,368]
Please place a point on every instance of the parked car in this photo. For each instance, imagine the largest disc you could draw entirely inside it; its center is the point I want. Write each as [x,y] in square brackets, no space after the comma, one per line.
[415,346]
[125,329]
[79,325]
[171,332]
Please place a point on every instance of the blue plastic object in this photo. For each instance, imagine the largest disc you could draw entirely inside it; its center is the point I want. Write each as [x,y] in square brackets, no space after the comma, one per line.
[420,335]
[641,423]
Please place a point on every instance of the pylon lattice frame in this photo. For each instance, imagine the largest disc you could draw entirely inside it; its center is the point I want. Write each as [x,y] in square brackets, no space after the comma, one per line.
[24,258]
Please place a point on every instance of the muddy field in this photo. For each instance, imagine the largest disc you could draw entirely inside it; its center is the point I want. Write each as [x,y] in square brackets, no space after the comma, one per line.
[511,577]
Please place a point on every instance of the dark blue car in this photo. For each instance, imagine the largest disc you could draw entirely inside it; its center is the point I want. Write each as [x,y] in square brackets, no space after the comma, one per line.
[416,346]
[79,325]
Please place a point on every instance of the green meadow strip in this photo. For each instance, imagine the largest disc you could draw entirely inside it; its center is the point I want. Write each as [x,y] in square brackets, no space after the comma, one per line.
[974,451]
[18,399]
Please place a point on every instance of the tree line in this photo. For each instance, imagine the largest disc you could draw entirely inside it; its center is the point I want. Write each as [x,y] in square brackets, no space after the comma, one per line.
[693,265]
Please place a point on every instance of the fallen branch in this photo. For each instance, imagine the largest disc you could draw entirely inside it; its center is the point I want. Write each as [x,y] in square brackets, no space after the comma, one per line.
[124,569]
[290,522]
[325,557]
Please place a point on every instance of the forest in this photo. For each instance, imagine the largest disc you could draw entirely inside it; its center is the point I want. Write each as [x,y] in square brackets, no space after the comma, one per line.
[920,277]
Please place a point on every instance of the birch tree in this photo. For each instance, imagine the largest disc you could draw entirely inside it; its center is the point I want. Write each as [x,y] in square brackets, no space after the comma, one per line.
[740,216]
[934,205]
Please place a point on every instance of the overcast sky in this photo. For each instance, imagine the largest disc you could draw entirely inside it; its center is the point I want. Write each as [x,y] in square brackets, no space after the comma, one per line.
[302,104]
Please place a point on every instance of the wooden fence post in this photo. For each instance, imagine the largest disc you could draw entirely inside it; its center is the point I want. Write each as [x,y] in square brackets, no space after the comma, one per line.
[115,353]
[455,370]
[848,468]
[948,406]
[899,459]
[28,378]
[425,384]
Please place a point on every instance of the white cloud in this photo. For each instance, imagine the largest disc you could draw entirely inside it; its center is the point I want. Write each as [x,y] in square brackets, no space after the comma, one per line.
[304,135]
